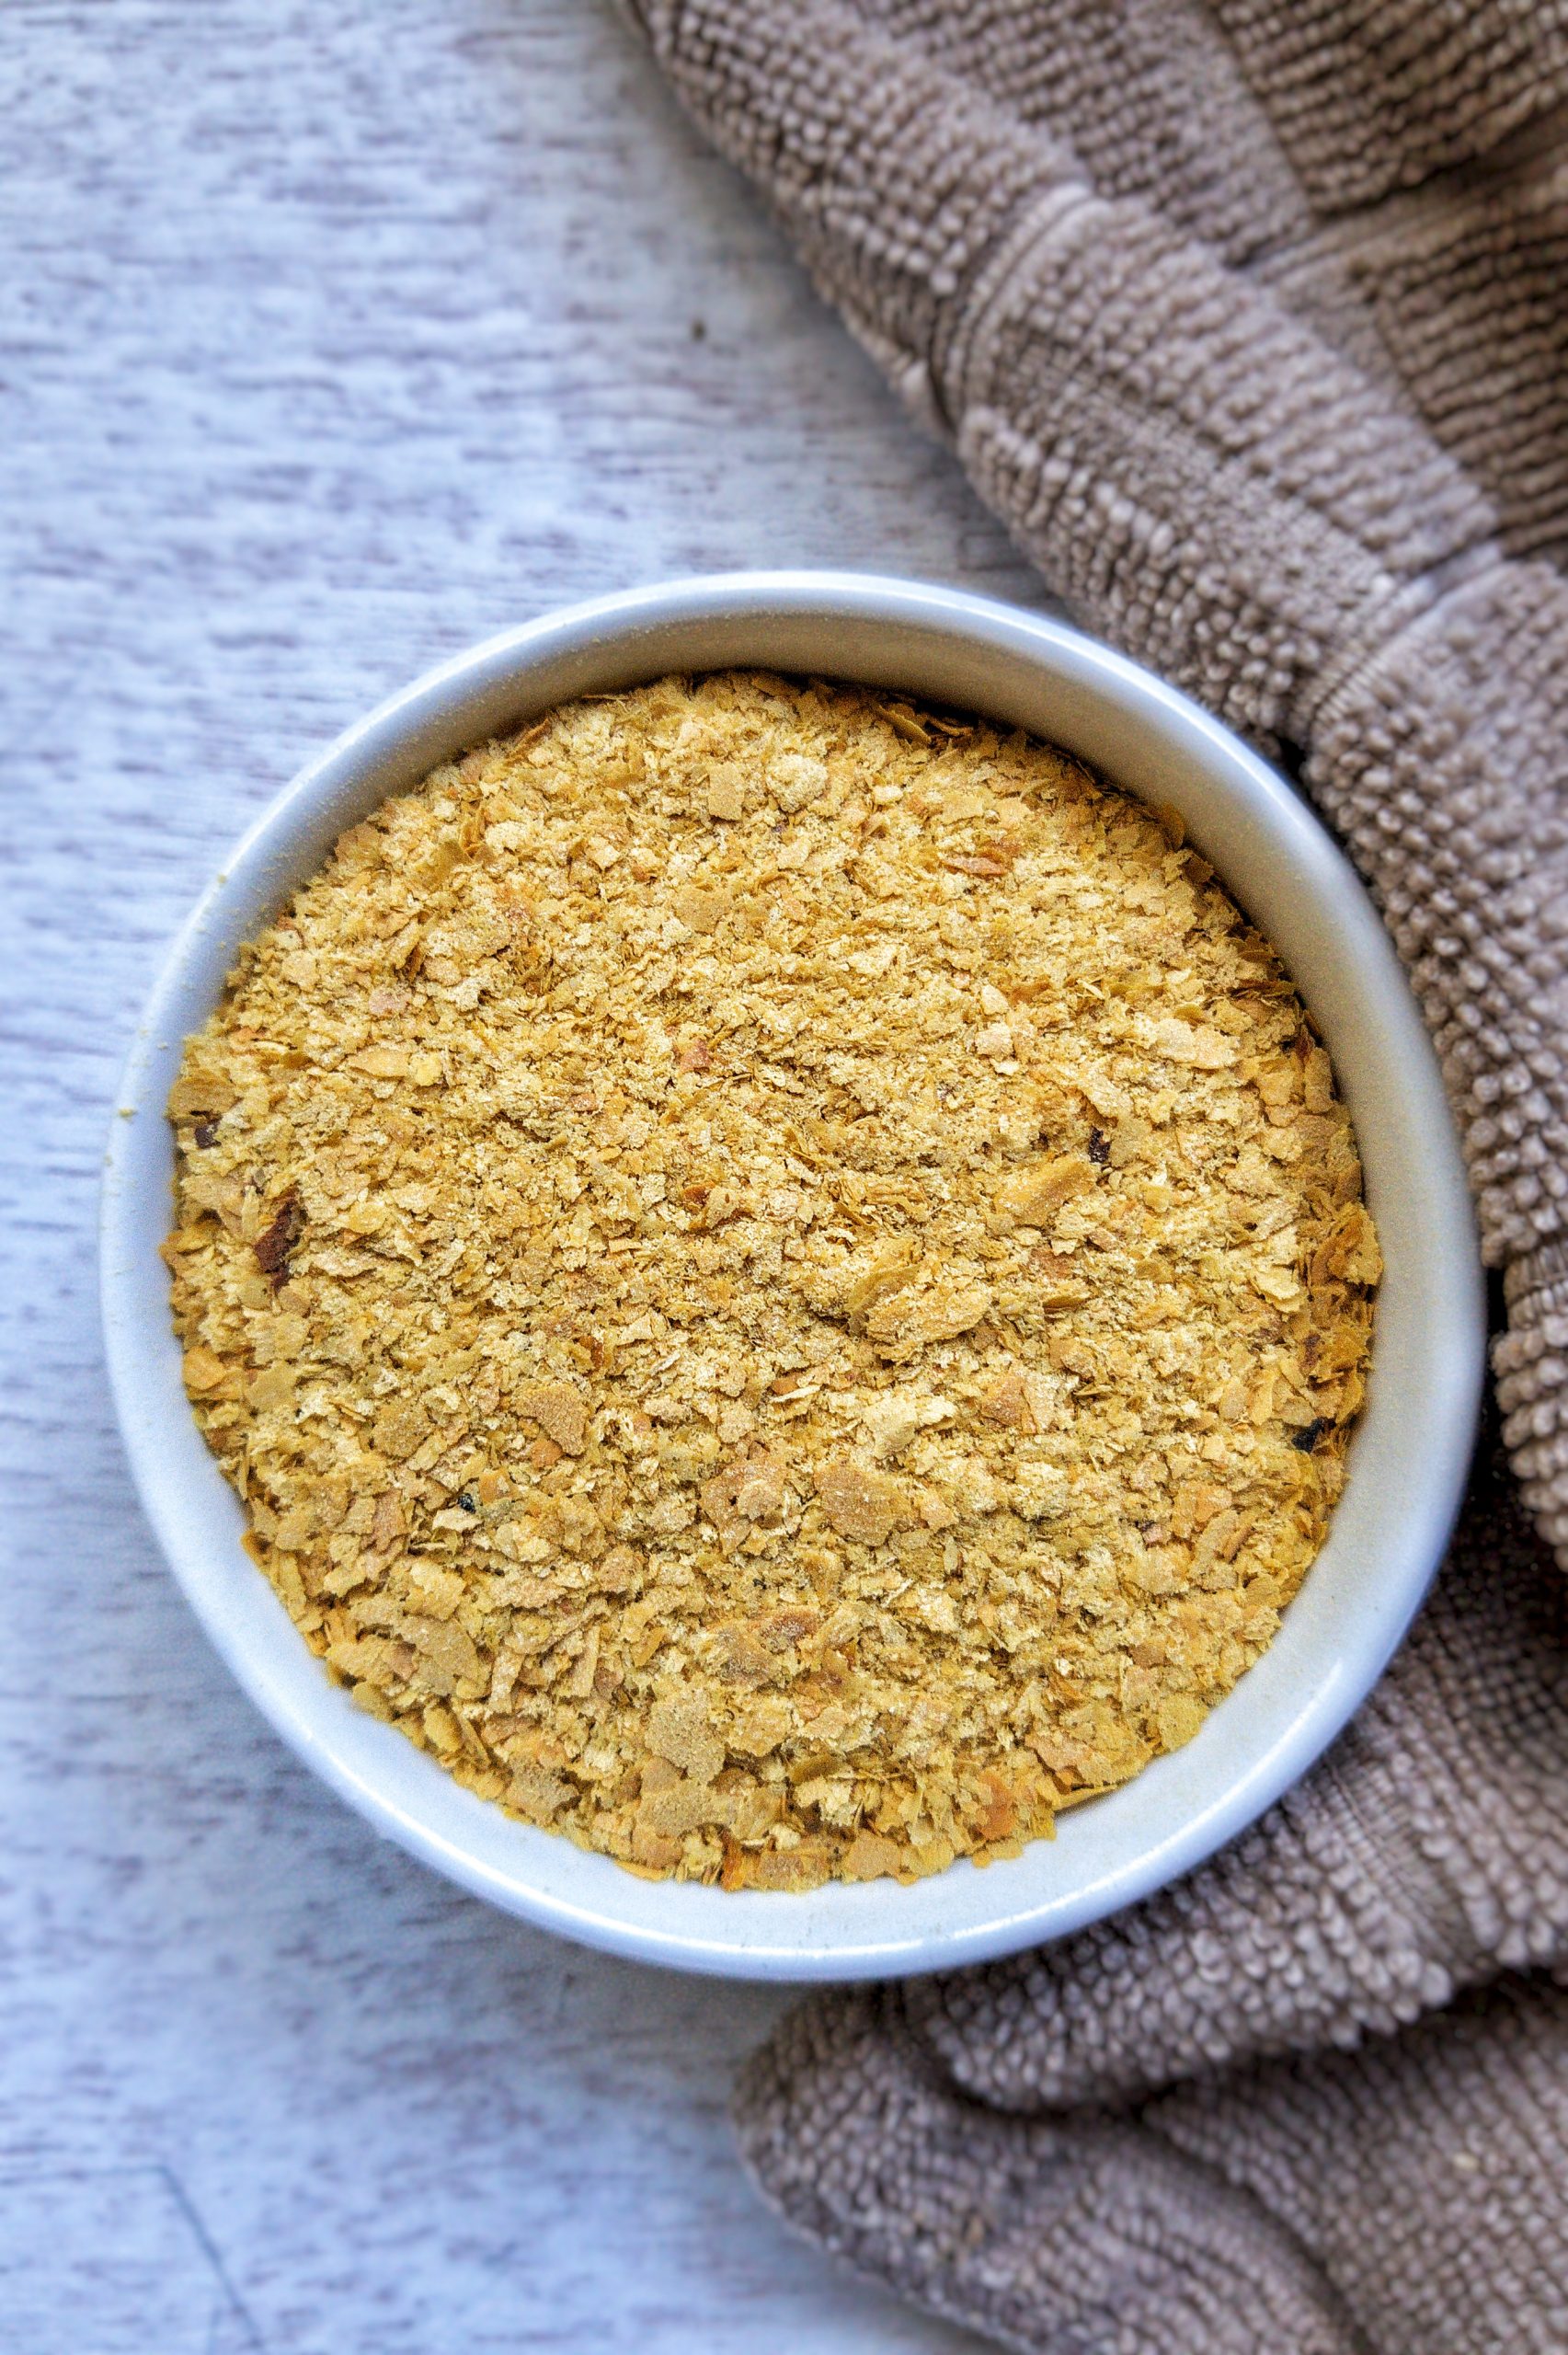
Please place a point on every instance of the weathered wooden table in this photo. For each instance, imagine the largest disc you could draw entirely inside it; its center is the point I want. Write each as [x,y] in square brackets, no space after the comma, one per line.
[333,338]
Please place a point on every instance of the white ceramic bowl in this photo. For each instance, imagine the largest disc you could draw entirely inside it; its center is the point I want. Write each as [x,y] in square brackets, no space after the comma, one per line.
[1408,1459]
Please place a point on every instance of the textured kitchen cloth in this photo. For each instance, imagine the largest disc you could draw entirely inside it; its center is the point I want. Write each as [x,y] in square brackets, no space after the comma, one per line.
[1251,323]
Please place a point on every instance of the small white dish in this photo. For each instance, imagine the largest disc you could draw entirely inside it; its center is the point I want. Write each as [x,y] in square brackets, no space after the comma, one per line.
[1407,1462]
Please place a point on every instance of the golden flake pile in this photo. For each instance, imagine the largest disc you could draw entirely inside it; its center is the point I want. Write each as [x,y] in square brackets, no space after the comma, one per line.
[783,1279]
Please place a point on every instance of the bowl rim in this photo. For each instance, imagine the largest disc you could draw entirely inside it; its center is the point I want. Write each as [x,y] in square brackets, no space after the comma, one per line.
[869,1930]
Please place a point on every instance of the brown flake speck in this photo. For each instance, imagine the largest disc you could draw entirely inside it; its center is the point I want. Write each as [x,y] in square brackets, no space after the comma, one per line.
[274,1245]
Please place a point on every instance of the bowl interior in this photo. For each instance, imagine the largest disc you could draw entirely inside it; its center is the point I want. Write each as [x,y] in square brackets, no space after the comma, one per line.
[1408,1458]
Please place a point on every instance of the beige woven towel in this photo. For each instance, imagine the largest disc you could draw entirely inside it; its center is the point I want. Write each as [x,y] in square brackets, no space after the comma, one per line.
[1252,322]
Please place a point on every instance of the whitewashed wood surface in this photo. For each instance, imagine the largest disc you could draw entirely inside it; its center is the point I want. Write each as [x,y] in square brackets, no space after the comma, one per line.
[332,338]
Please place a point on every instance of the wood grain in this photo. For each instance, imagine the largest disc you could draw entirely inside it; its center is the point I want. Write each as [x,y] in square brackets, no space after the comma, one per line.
[333,338]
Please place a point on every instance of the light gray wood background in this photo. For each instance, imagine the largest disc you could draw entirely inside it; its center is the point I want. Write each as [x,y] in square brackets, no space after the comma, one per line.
[332,338]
